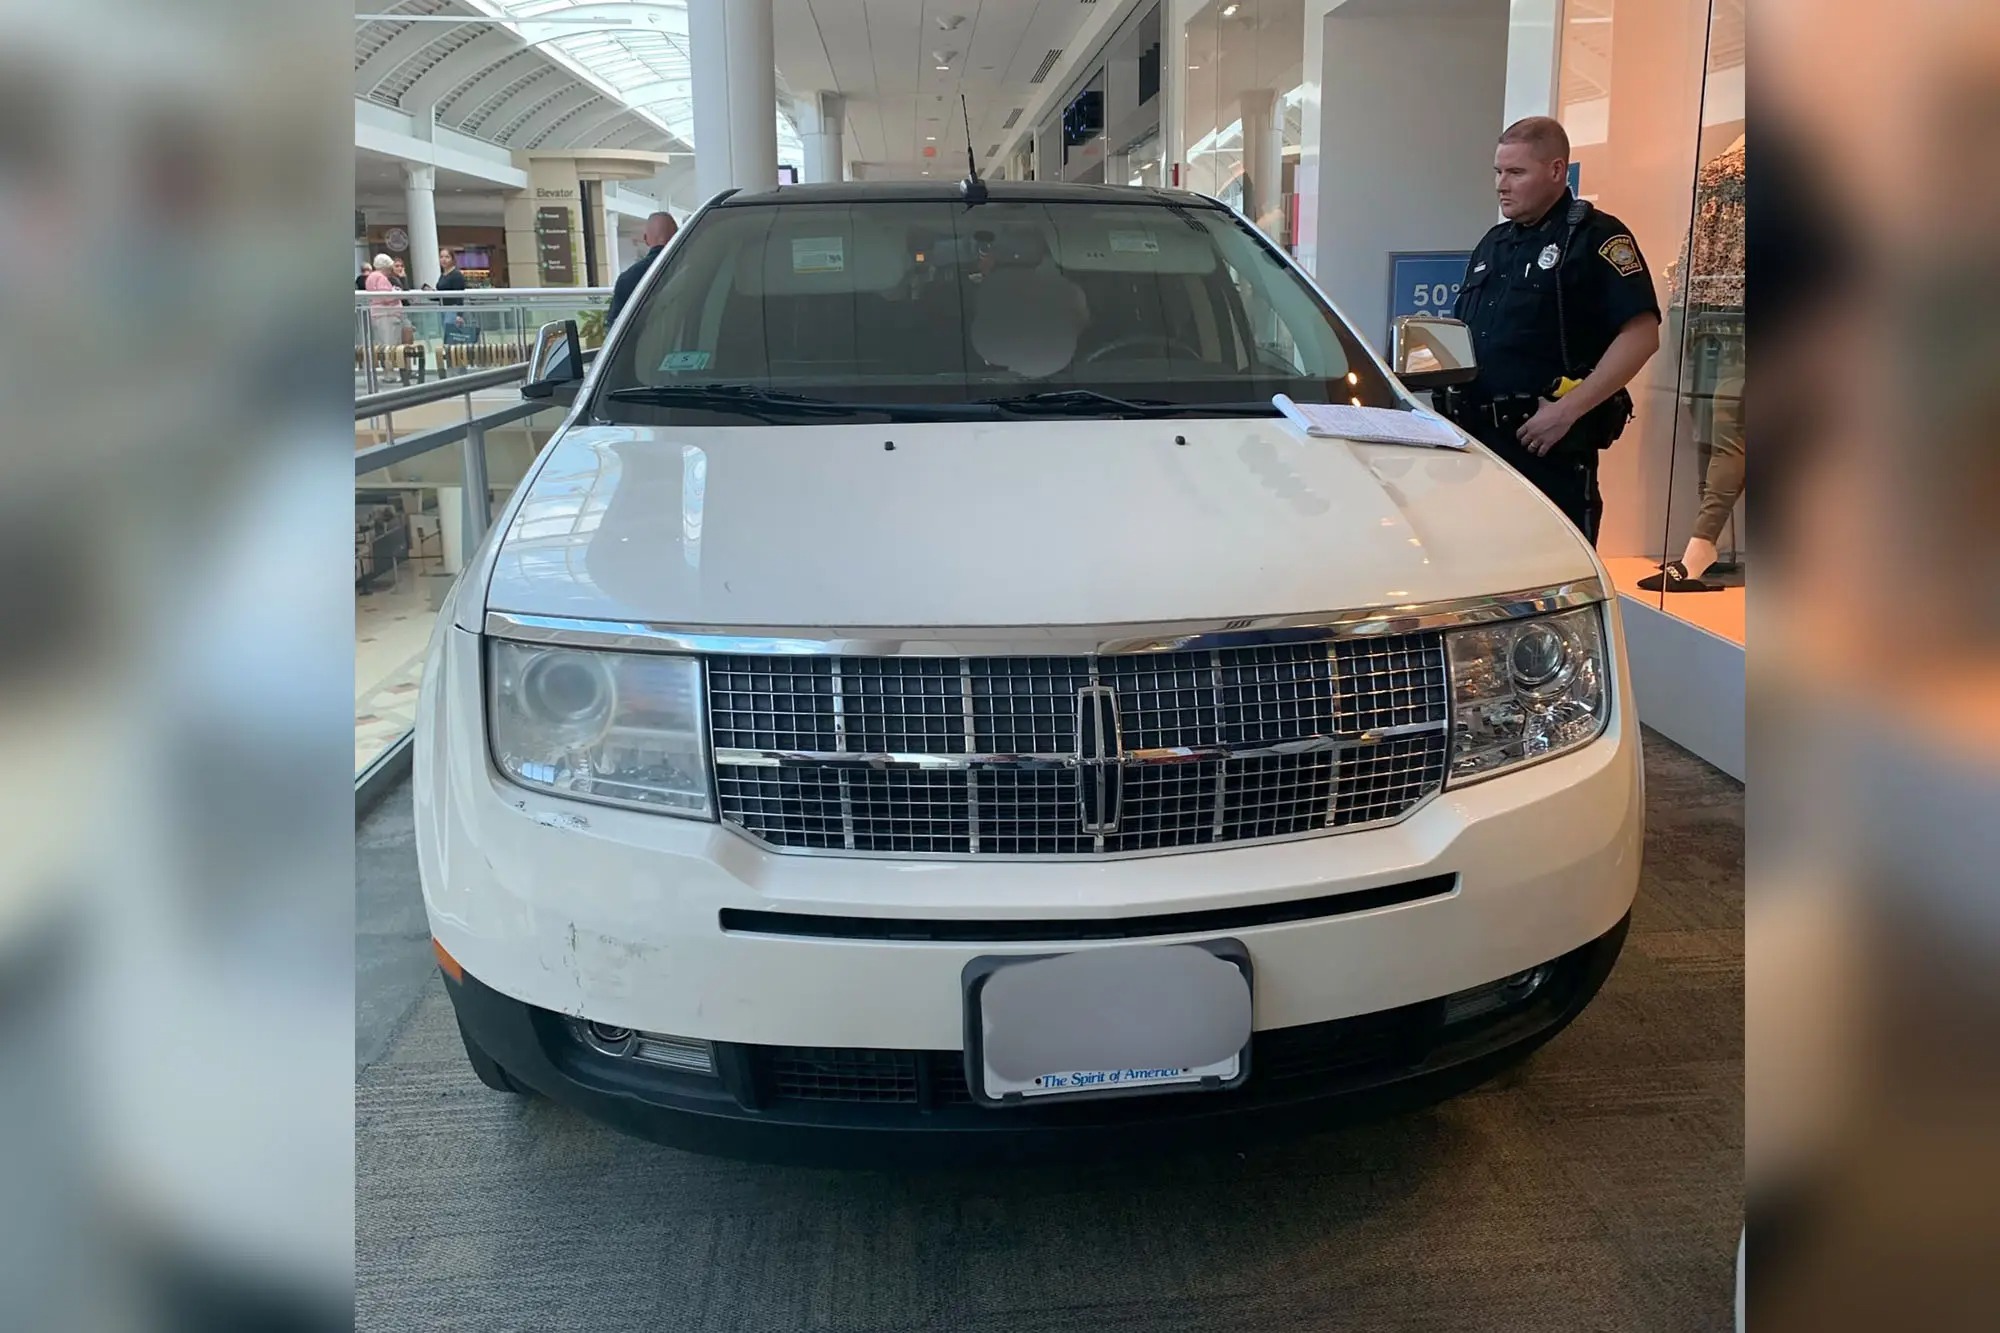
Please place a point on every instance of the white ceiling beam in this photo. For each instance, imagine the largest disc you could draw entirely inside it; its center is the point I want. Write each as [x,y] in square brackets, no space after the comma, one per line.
[579,101]
[460,68]
[379,130]
[486,96]
[394,52]
[620,126]
[650,94]
[568,100]
[590,125]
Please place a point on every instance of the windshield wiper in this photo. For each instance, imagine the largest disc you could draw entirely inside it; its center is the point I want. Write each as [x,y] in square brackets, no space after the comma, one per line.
[1089,402]
[754,400]
[1081,402]
[738,397]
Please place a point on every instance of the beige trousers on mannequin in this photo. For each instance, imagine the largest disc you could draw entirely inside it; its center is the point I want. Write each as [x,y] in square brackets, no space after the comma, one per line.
[1722,479]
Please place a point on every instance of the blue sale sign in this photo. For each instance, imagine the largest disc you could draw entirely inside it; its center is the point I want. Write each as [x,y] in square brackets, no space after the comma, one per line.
[1424,283]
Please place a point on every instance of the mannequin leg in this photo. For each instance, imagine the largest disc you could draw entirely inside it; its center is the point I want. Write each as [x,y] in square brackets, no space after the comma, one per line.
[1722,481]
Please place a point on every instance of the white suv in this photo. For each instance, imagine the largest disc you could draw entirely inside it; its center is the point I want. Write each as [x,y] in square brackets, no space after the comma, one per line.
[926,699]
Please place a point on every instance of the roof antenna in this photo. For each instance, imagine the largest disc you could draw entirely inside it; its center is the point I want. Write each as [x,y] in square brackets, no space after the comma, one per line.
[971,189]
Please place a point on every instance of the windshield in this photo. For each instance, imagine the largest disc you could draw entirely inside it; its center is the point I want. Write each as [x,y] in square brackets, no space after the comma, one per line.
[931,309]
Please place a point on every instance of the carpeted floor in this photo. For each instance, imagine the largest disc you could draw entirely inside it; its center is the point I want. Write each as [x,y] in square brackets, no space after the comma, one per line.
[1598,1186]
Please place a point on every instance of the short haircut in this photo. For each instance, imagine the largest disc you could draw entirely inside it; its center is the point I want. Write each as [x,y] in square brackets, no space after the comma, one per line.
[1543,134]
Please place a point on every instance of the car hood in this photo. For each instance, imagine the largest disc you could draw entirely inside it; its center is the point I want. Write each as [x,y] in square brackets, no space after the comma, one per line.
[1012,524]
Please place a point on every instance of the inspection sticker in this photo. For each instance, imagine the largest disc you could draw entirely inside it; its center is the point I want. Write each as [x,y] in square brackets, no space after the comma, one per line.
[685,361]
[1134,243]
[819,254]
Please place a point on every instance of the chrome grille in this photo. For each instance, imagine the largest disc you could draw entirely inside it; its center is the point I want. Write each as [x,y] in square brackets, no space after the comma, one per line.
[949,756]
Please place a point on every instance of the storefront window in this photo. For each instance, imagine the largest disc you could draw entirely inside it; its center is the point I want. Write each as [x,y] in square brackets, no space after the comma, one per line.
[1652,97]
[1244,75]
[1106,128]
[1140,163]
[1082,136]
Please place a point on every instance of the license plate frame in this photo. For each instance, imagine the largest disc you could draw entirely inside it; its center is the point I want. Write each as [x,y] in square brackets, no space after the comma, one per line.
[980,971]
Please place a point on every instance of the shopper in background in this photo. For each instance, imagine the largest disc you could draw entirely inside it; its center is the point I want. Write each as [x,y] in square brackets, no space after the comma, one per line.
[450,279]
[400,276]
[385,310]
[1563,315]
[660,228]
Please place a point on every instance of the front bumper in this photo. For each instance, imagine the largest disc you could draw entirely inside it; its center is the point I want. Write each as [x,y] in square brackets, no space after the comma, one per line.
[639,920]
[834,1106]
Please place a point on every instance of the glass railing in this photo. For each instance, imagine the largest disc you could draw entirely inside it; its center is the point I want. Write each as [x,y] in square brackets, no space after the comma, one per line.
[416,337]
[434,464]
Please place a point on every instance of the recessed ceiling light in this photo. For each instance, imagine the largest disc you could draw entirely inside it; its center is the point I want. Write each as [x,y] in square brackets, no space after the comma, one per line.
[1229,11]
[930,138]
[944,67]
[1194,66]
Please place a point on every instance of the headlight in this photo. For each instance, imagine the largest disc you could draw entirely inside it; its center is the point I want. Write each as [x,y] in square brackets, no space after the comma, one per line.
[1525,690]
[618,728]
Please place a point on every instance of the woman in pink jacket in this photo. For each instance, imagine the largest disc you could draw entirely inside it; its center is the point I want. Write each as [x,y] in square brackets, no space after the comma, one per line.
[385,311]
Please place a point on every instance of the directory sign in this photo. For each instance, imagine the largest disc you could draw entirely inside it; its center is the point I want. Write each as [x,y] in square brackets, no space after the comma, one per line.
[555,252]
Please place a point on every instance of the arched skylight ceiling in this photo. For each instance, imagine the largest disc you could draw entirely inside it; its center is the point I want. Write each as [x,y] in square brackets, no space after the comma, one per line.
[639,53]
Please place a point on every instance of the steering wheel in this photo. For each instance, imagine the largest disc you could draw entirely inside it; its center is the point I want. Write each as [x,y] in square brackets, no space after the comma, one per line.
[1166,343]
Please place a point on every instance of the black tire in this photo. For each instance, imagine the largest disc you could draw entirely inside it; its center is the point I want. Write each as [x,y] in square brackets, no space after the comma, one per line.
[487,1068]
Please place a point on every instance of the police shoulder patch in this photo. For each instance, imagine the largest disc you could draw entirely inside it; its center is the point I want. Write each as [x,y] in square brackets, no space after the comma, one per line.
[1622,253]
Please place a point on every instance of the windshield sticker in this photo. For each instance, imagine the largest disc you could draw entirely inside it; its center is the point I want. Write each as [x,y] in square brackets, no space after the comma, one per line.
[819,254]
[685,361]
[1134,243]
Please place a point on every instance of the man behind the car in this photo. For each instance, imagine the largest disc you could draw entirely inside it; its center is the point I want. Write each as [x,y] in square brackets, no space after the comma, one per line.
[1563,315]
[660,228]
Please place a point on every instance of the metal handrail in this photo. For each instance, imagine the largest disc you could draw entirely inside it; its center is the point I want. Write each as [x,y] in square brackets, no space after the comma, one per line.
[479,295]
[469,433]
[458,386]
[416,395]
[526,304]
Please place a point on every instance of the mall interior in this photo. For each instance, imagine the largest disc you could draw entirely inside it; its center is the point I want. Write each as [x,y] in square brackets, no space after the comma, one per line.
[508,155]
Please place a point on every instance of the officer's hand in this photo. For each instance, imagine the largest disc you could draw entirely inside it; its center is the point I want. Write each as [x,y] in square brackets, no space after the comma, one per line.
[1545,430]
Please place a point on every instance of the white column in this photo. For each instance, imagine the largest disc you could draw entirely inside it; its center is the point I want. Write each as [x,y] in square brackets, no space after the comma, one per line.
[735,95]
[825,160]
[1429,183]
[420,193]
[603,220]
[1534,45]
[1263,155]
[451,527]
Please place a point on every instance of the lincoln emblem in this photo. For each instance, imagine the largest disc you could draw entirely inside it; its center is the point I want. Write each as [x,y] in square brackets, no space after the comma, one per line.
[1100,775]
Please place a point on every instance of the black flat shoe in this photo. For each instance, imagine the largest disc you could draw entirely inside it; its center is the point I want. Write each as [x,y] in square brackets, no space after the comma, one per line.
[1673,577]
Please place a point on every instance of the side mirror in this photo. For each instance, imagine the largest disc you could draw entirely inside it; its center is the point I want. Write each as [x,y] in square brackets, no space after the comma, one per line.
[555,360]
[1432,352]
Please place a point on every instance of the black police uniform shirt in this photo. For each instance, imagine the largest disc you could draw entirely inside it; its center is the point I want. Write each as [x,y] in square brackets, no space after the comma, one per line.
[1508,298]
[628,283]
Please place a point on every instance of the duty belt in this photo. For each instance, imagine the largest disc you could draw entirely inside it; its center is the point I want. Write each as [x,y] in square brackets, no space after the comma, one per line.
[1505,413]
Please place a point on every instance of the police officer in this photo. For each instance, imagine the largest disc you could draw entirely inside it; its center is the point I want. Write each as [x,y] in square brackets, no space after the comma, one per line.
[1563,315]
